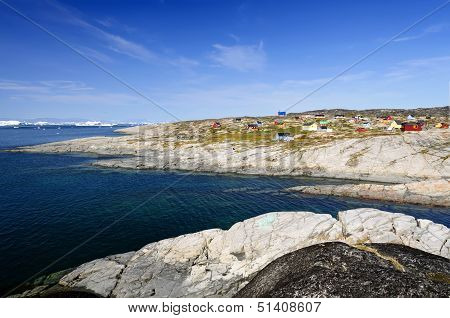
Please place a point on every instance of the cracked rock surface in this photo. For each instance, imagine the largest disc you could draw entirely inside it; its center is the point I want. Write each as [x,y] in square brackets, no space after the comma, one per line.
[218,263]
[339,270]
[434,192]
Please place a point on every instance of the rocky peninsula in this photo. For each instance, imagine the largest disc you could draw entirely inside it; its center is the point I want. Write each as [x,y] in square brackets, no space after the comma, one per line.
[219,263]
[232,148]
[417,161]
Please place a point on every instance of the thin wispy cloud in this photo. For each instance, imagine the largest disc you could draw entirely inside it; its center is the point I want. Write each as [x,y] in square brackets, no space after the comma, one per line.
[123,46]
[117,43]
[19,86]
[66,85]
[107,22]
[430,61]
[234,37]
[305,82]
[100,99]
[43,87]
[183,62]
[419,67]
[429,30]
[240,57]
[96,54]
[319,81]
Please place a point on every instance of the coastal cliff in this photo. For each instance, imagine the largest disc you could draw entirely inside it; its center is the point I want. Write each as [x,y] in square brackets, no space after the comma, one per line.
[219,263]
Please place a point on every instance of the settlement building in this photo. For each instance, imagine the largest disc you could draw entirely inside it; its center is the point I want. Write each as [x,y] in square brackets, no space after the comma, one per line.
[309,126]
[282,136]
[411,127]
[395,124]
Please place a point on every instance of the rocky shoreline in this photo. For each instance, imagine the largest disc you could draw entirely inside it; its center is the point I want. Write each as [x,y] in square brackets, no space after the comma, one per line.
[218,263]
[417,163]
[436,192]
[388,158]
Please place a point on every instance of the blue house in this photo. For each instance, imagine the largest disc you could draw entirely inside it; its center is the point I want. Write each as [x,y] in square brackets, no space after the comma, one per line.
[282,114]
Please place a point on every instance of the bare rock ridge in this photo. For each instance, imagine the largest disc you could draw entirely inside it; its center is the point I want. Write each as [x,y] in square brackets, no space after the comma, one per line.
[337,272]
[218,263]
[387,158]
[434,192]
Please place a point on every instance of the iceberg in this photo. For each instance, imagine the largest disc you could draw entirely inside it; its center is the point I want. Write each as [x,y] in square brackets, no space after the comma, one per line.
[93,123]
[9,123]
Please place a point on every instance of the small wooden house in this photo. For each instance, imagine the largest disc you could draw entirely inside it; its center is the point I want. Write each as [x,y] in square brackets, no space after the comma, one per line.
[283,136]
[319,115]
[395,124]
[309,126]
[324,128]
[411,127]
[238,119]
[278,122]
[441,125]
[253,126]
[339,116]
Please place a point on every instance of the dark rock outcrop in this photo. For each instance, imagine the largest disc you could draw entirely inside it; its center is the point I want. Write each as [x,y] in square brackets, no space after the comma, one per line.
[340,270]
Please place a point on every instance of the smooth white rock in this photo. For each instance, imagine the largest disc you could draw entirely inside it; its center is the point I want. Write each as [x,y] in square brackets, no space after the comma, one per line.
[217,263]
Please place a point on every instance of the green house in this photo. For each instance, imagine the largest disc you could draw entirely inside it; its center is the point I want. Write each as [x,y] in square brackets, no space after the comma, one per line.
[324,122]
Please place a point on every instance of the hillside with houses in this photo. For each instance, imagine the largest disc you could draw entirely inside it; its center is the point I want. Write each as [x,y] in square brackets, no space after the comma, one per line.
[358,147]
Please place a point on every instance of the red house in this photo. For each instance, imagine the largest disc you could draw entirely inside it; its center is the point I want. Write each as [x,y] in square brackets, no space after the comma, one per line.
[411,127]
[278,122]
[216,125]
[361,129]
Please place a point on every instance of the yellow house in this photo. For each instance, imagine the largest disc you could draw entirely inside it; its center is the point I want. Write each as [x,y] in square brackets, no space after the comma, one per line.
[309,127]
[395,124]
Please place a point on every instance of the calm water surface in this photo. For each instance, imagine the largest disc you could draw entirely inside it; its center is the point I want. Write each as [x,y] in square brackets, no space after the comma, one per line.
[49,204]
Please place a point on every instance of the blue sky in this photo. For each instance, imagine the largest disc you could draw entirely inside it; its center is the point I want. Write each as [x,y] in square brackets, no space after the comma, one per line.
[205,59]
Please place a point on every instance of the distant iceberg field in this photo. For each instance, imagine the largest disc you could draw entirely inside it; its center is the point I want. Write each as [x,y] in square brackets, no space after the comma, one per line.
[9,122]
